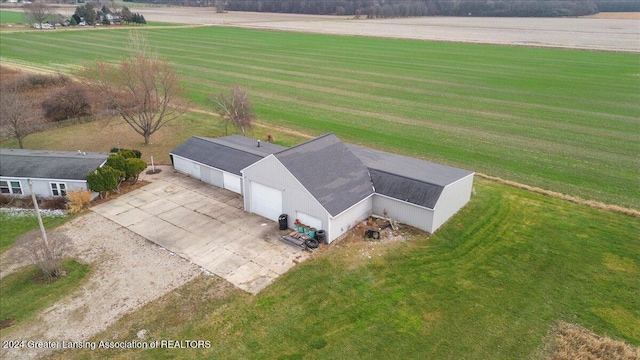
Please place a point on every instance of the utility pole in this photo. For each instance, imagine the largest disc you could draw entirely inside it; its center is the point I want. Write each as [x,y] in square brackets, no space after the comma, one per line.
[35,205]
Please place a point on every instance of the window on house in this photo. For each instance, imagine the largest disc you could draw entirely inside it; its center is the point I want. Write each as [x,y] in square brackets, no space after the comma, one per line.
[16,187]
[58,189]
[4,187]
[10,187]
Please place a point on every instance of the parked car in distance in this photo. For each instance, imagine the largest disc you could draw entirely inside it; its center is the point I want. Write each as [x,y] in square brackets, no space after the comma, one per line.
[82,23]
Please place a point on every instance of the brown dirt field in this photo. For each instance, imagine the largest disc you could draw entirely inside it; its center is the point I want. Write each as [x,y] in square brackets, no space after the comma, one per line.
[615,15]
[603,32]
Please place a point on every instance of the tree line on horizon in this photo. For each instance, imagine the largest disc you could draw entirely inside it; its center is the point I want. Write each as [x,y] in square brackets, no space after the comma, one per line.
[409,8]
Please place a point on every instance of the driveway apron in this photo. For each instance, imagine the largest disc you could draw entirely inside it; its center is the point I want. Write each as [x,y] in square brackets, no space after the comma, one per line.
[206,225]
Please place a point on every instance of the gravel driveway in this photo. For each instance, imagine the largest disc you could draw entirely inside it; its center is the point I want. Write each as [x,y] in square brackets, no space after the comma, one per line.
[128,272]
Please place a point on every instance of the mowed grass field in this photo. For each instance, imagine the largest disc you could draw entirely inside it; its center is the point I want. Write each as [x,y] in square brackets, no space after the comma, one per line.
[11,17]
[491,284]
[564,120]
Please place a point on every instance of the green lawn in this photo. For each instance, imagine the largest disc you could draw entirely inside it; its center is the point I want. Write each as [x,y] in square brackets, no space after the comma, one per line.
[490,284]
[22,295]
[11,17]
[90,136]
[564,120]
[12,227]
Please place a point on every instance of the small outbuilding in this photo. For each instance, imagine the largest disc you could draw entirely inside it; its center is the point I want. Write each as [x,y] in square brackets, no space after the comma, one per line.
[327,184]
[53,173]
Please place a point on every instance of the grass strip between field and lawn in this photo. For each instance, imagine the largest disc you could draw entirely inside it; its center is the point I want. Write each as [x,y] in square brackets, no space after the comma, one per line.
[12,17]
[559,119]
[491,283]
[23,293]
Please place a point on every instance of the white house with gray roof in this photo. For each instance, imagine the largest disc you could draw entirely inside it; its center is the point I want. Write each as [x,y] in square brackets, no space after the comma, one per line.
[53,173]
[329,185]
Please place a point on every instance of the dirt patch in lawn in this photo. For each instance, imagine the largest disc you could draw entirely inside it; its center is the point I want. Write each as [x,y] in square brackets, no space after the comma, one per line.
[127,273]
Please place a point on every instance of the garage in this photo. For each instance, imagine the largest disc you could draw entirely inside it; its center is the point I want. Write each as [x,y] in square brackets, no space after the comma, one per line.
[266,201]
[232,182]
[211,176]
[219,161]
[187,166]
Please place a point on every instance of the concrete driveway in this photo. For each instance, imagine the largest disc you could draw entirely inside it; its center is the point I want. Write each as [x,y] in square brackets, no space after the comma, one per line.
[206,225]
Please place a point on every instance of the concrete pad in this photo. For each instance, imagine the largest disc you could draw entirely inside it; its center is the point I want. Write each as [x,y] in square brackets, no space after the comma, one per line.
[159,206]
[250,277]
[111,208]
[142,198]
[206,225]
[130,217]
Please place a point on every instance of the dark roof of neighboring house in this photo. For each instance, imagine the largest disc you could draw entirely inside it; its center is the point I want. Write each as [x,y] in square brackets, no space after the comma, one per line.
[44,164]
[409,179]
[329,171]
[230,153]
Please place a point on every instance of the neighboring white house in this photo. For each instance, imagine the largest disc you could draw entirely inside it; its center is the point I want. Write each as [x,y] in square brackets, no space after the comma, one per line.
[53,173]
[327,184]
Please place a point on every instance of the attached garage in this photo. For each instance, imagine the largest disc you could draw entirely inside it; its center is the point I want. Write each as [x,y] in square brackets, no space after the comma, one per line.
[187,166]
[266,201]
[413,191]
[323,185]
[219,161]
[232,182]
[211,176]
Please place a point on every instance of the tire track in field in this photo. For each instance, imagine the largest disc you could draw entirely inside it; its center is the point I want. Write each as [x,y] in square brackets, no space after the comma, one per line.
[514,141]
[598,132]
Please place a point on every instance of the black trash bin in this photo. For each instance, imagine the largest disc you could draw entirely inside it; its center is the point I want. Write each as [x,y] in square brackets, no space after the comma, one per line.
[283,221]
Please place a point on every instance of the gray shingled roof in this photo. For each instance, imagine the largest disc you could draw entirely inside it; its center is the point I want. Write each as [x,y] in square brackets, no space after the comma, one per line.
[329,171]
[413,180]
[230,153]
[44,164]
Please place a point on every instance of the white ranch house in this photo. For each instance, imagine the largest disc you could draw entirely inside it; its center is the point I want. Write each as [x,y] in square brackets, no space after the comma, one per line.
[53,173]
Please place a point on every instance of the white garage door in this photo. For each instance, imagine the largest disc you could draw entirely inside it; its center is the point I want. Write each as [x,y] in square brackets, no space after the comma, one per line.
[266,201]
[309,220]
[186,166]
[232,182]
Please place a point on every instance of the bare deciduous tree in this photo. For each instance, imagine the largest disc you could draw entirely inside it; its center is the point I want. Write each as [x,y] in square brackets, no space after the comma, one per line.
[18,118]
[235,109]
[143,88]
[46,256]
[38,12]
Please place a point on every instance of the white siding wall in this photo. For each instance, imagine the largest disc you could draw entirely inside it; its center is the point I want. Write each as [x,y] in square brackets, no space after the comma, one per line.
[348,218]
[232,182]
[186,166]
[42,187]
[406,213]
[270,172]
[453,198]
[211,176]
